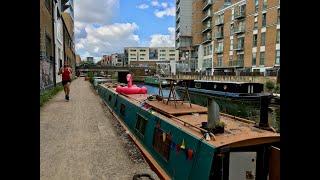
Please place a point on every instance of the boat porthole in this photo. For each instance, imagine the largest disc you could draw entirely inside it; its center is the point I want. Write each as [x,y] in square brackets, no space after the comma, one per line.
[225,87]
[110,97]
[215,86]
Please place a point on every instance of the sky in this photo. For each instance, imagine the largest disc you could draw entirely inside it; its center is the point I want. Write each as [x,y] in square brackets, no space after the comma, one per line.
[103,27]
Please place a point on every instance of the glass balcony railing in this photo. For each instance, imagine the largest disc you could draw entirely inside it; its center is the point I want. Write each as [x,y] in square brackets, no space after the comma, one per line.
[236,63]
[239,29]
[219,35]
[207,4]
[239,14]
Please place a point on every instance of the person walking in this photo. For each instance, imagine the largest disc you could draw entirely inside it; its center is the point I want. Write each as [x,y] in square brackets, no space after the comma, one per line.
[66,72]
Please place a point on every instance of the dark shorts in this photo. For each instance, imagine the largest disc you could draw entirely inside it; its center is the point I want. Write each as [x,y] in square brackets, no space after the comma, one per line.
[64,82]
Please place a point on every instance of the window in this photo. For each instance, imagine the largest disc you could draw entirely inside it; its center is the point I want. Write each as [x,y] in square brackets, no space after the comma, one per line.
[172,55]
[142,54]
[122,109]
[262,55]
[255,25]
[133,50]
[141,124]
[231,29]
[210,49]
[231,44]
[172,59]
[278,57]
[256,2]
[110,97]
[162,50]
[255,39]
[142,50]
[141,58]
[220,61]
[240,44]
[163,148]
[265,5]
[263,39]
[48,47]
[278,36]
[278,19]
[133,58]
[132,54]
[254,59]
[264,20]
[172,50]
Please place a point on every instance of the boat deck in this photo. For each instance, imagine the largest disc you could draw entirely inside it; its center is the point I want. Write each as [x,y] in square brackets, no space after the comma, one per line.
[237,133]
[180,108]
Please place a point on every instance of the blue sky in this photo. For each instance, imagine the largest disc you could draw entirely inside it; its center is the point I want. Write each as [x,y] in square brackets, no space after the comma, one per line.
[106,26]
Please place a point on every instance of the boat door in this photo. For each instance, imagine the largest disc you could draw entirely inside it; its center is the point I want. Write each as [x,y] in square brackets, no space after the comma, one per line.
[242,165]
[274,164]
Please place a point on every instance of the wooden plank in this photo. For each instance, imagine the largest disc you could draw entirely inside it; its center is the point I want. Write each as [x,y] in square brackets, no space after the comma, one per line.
[180,109]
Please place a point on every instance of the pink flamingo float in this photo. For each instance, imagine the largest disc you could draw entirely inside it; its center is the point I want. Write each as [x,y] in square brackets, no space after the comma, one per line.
[131,88]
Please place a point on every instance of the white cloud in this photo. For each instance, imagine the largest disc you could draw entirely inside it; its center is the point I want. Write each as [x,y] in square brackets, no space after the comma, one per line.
[163,40]
[164,4]
[155,3]
[98,11]
[143,6]
[171,11]
[107,39]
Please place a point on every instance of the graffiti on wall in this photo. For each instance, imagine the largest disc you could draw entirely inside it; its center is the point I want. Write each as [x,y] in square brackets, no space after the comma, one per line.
[46,74]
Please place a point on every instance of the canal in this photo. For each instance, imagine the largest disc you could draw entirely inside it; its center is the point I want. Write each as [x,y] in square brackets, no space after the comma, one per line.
[248,110]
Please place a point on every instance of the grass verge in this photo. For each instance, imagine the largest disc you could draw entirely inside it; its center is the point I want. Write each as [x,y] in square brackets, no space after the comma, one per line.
[48,94]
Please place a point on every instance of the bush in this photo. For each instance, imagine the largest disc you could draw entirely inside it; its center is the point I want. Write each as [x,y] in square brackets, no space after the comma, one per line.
[277,89]
[90,76]
[269,85]
[48,94]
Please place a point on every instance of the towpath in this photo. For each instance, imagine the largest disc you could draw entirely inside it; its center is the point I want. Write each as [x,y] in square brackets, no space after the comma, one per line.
[79,139]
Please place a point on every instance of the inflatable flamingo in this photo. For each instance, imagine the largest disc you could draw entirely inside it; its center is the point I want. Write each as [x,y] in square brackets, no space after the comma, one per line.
[131,88]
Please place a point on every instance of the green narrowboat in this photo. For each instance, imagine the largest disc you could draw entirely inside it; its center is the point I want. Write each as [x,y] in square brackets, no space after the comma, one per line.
[177,143]
[154,80]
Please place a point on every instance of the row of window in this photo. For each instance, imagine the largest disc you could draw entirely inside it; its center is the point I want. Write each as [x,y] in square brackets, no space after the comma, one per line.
[240,58]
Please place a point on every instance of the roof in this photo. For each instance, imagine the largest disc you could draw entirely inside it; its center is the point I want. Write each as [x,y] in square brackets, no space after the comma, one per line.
[238,132]
[232,82]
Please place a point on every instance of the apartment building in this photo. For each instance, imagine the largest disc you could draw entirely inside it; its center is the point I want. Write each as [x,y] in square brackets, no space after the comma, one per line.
[149,56]
[183,39]
[117,59]
[236,35]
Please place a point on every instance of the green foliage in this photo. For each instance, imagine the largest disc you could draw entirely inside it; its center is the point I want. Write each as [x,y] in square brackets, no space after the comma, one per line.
[277,89]
[269,85]
[90,75]
[220,124]
[48,94]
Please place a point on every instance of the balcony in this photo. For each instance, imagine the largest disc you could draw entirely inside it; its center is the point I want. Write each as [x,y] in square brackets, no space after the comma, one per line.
[178,10]
[178,28]
[236,63]
[206,40]
[239,29]
[207,16]
[239,14]
[177,2]
[207,28]
[239,47]
[219,35]
[219,49]
[178,19]
[219,21]
[208,3]
[177,36]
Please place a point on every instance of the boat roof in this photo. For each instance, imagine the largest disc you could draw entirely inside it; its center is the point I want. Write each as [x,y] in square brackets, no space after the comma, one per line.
[239,132]
[231,82]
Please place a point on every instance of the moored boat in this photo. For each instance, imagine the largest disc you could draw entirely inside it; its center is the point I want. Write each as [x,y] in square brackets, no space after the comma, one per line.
[179,144]
[154,80]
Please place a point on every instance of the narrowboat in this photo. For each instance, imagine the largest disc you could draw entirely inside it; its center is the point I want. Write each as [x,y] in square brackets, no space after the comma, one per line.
[154,80]
[179,144]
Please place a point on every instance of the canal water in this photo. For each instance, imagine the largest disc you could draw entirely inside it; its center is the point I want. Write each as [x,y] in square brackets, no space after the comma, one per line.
[248,110]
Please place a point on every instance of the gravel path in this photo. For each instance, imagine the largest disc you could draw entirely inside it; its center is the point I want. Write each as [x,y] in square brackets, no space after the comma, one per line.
[79,139]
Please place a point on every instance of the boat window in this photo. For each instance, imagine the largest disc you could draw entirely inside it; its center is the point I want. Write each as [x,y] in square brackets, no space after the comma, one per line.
[122,109]
[160,145]
[110,97]
[198,85]
[141,124]
[215,86]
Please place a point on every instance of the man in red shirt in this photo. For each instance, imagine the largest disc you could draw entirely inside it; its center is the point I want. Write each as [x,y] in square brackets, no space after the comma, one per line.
[66,72]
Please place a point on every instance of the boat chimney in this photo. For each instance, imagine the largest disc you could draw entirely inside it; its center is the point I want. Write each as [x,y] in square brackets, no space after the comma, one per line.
[264,101]
[213,114]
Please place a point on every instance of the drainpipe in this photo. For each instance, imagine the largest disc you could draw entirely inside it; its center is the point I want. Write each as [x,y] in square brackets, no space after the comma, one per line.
[54,46]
